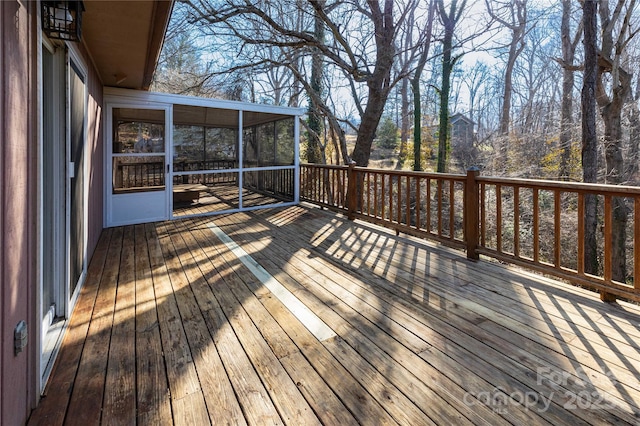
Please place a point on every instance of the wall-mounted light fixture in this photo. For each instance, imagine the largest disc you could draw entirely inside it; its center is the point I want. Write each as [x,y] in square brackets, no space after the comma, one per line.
[62,19]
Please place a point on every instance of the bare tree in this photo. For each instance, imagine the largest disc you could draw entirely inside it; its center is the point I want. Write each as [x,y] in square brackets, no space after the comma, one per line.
[535,82]
[415,87]
[633,114]
[569,45]
[449,20]
[360,42]
[589,135]
[379,80]
[617,31]
[316,120]
[181,68]
[473,79]
[512,14]
[406,56]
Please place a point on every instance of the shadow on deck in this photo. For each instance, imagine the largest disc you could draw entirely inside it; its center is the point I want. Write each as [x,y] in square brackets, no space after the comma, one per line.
[298,316]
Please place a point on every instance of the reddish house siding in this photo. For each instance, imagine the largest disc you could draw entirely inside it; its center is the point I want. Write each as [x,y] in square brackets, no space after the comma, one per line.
[21,169]
[18,201]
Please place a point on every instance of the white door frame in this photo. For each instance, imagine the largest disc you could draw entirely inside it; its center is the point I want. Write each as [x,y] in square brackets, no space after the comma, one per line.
[56,273]
[159,202]
[59,201]
[74,57]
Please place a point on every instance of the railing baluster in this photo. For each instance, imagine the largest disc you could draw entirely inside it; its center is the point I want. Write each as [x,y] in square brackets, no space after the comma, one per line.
[321,184]
[556,228]
[368,194]
[483,215]
[499,218]
[382,199]
[636,242]
[516,221]
[536,226]
[608,238]
[452,209]
[352,190]
[418,202]
[471,213]
[316,187]
[428,205]
[439,207]
[391,182]
[375,194]
[399,183]
[408,197]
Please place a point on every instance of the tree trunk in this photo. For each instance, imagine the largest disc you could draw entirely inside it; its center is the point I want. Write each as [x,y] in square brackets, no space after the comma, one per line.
[405,122]
[589,136]
[415,88]
[634,141]
[443,129]
[612,117]
[566,123]
[369,124]
[517,11]
[505,115]
[417,125]
[379,82]
[611,102]
[449,21]
[314,152]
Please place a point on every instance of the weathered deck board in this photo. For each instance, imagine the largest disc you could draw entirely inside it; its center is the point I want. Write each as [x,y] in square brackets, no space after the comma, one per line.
[361,336]
[347,319]
[287,398]
[187,400]
[193,319]
[85,406]
[324,403]
[172,328]
[54,403]
[350,391]
[519,335]
[153,405]
[120,384]
[509,346]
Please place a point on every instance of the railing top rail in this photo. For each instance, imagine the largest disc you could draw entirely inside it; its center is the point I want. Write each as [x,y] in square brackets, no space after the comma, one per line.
[620,190]
[449,176]
[566,186]
[431,175]
[324,166]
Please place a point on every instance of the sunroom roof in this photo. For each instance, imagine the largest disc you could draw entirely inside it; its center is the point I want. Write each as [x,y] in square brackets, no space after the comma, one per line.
[188,110]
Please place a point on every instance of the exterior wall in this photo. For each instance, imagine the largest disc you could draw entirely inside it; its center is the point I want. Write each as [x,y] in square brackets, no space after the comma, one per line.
[19,215]
[18,261]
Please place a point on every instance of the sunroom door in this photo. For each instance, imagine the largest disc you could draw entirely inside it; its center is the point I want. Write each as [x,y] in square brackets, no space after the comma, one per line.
[138,165]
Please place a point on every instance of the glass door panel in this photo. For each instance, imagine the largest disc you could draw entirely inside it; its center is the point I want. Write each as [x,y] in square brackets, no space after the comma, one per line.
[77,181]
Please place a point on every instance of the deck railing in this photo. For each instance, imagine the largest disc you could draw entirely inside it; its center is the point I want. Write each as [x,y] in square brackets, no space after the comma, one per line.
[535,224]
[139,175]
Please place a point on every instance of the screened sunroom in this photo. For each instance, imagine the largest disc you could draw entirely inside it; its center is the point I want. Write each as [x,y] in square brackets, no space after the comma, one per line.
[174,156]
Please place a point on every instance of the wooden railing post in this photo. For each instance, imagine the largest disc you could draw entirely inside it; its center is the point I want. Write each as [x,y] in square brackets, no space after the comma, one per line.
[352,190]
[471,216]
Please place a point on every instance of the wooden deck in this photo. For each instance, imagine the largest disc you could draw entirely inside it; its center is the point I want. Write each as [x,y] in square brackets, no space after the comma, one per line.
[176,325]
[222,197]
